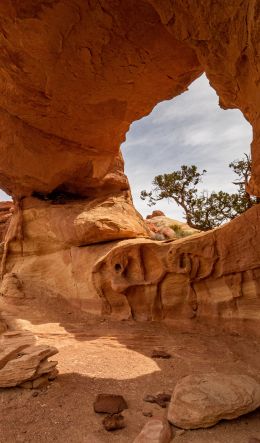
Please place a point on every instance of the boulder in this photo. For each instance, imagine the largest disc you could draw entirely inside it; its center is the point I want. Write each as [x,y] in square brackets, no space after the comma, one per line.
[200,401]
[79,222]
[156,430]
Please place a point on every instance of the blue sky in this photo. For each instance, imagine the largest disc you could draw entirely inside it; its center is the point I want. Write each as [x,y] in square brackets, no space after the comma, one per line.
[189,129]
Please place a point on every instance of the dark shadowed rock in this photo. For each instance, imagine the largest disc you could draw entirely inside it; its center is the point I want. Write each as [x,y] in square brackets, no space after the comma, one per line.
[160,399]
[147,413]
[110,404]
[157,353]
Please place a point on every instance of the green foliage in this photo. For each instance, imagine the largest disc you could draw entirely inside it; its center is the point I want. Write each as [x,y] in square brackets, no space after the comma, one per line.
[202,210]
[180,233]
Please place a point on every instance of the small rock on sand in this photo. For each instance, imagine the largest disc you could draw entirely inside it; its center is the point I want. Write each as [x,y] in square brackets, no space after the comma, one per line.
[109,404]
[156,430]
[114,422]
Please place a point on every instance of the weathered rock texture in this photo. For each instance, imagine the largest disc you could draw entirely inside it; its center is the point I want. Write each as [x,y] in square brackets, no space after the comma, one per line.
[206,275]
[6,210]
[200,401]
[74,76]
[22,363]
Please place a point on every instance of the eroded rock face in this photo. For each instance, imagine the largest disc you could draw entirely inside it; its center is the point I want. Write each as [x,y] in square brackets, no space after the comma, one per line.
[211,275]
[74,76]
[56,225]
[72,81]
[206,275]
[6,209]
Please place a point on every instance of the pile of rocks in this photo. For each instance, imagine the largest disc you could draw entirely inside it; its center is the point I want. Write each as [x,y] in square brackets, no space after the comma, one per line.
[112,405]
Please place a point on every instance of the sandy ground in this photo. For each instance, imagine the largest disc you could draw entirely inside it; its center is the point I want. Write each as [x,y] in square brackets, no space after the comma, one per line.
[100,356]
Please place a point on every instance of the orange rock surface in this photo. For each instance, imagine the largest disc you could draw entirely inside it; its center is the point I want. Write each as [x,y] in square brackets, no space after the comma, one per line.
[5,215]
[74,76]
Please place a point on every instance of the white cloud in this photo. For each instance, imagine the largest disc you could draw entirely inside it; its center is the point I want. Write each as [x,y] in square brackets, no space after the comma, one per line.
[190,129]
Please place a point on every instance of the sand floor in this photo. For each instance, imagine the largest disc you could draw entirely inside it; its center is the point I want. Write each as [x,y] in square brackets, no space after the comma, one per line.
[101,356]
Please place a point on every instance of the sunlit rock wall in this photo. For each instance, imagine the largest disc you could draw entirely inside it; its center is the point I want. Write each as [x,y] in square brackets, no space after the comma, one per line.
[74,76]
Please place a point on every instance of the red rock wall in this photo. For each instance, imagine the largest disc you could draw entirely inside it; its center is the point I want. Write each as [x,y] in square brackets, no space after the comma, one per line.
[74,76]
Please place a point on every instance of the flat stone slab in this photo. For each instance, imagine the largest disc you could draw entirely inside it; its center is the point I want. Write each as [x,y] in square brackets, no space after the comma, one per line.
[200,401]
[24,363]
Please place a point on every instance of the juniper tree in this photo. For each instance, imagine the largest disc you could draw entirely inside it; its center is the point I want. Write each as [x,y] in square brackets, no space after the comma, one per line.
[203,210]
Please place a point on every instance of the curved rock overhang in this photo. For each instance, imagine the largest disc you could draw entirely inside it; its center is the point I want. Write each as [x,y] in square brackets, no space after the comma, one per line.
[74,75]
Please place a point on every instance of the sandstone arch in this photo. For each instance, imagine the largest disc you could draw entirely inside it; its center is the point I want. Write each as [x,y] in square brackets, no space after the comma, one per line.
[74,75]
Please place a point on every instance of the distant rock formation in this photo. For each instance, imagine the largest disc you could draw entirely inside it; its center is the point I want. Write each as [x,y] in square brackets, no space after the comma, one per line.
[155,214]
[165,228]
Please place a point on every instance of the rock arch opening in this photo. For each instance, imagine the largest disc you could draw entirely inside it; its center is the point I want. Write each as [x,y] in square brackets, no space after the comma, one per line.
[189,129]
